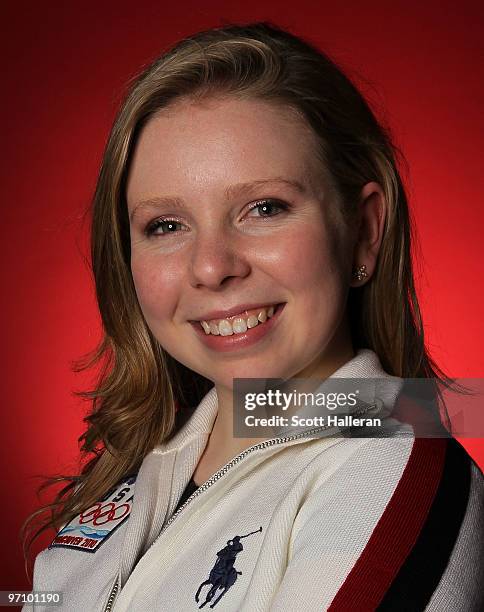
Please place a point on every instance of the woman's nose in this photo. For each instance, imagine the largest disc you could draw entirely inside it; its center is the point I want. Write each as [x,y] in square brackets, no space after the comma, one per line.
[215,259]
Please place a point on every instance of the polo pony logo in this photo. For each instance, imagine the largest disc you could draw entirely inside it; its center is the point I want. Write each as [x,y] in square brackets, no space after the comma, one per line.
[223,574]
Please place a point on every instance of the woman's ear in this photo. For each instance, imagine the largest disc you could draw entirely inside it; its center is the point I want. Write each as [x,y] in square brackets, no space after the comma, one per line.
[372,211]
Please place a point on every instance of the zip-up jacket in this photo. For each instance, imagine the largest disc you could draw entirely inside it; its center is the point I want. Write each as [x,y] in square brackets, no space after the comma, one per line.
[294,523]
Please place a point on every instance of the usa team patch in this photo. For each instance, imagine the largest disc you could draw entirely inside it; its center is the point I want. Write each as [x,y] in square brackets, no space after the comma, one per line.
[91,528]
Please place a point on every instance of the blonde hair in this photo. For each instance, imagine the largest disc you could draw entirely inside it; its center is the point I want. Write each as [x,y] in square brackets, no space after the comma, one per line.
[139,385]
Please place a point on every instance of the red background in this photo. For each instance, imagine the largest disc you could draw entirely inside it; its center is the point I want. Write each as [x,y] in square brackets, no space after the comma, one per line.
[65,68]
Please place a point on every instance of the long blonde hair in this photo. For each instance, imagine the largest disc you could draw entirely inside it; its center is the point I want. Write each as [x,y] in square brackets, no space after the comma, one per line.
[139,385]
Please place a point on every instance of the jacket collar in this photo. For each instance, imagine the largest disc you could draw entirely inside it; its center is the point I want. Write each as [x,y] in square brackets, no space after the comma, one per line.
[166,471]
[365,364]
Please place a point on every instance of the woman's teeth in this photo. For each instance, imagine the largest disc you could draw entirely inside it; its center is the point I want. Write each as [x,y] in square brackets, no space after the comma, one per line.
[238,325]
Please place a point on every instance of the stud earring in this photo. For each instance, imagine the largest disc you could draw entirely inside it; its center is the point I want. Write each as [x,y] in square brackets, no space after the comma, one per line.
[360,273]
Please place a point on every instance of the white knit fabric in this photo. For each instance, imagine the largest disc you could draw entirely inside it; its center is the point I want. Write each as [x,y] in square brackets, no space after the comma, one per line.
[317,501]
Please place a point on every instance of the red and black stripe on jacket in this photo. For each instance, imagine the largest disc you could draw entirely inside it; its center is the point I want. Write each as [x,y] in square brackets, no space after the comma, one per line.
[427,550]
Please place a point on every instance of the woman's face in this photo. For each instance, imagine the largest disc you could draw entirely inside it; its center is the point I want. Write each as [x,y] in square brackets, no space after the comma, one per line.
[231,212]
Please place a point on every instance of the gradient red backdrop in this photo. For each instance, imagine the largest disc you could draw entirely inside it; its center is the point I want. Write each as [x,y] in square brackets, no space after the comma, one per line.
[65,69]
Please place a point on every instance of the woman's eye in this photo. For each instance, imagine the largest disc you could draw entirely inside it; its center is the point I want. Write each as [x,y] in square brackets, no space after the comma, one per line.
[162,226]
[267,208]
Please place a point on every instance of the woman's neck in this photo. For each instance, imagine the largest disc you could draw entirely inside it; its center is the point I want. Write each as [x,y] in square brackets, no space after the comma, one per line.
[222,446]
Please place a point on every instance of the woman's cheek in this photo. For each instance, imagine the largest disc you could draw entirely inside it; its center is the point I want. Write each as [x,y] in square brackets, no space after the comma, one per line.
[156,287]
[305,258]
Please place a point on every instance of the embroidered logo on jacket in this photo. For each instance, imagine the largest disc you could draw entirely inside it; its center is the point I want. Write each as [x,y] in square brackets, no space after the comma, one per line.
[223,574]
[91,528]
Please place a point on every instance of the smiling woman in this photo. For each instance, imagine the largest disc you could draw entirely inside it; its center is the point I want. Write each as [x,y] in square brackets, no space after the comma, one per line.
[249,222]
[228,251]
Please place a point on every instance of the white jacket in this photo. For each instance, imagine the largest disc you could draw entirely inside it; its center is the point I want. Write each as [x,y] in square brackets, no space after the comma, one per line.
[291,524]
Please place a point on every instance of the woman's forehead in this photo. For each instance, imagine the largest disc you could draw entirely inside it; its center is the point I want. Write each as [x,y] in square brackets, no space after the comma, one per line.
[222,142]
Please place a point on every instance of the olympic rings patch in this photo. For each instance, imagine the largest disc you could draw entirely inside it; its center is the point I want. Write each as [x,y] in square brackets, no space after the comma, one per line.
[93,526]
[100,514]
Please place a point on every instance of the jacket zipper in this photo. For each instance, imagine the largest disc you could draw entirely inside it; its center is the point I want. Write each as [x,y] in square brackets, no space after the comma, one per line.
[112,596]
[208,483]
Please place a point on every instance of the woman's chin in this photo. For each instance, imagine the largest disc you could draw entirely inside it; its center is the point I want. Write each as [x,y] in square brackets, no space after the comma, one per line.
[226,381]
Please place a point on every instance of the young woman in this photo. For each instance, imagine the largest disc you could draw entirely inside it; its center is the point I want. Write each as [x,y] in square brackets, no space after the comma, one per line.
[249,222]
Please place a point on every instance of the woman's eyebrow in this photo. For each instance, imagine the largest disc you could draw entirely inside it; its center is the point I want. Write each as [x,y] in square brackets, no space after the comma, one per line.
[171,201]
[235,190]
[231,192]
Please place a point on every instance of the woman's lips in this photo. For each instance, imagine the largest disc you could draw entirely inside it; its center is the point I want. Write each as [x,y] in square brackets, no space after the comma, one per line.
[236,311]
[242,340]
